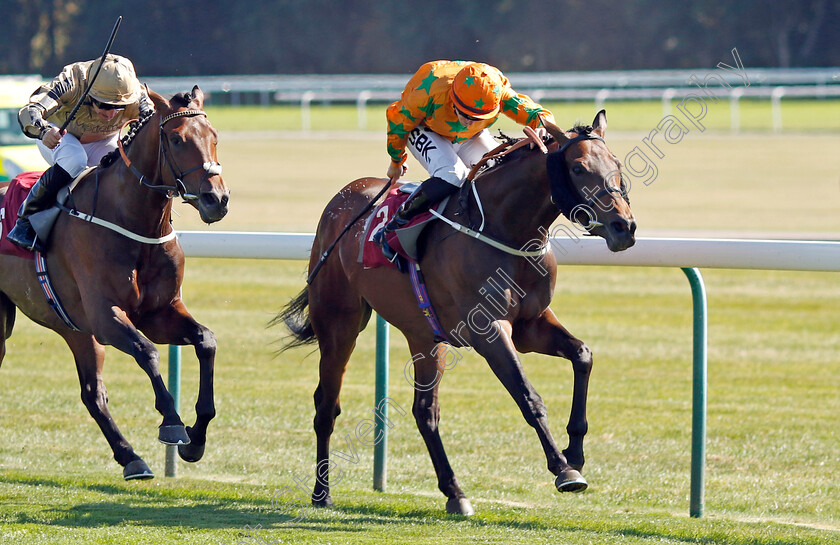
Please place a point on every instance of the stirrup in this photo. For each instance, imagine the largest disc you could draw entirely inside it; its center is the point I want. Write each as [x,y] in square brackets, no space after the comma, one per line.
[379,240]
[24,236]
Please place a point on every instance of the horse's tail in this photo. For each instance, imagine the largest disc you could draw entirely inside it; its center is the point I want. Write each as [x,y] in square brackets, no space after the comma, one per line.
[295,316]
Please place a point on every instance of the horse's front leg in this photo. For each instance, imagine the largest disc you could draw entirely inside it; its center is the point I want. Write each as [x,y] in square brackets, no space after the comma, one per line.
[498,349]
[545,335]
[175,325]
[111,326]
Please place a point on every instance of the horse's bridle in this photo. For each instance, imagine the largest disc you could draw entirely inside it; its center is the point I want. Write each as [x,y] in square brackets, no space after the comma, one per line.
[178,188]
[590,201]
[210,168]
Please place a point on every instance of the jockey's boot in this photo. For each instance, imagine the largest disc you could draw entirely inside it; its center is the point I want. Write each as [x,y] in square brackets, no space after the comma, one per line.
[40,197]
[424,197]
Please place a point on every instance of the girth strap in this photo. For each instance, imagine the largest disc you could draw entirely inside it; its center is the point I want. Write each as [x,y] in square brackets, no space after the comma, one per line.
[49,292]
[418,285]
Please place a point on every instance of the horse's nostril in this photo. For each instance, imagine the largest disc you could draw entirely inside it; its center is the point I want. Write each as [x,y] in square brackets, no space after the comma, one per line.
[624,227]
[208,199]
[226,198]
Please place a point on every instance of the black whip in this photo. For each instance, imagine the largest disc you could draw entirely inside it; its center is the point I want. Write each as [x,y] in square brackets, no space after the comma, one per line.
[329,250]
[90,83]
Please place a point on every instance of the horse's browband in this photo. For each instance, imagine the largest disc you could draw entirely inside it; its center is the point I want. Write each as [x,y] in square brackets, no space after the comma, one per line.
[182,113]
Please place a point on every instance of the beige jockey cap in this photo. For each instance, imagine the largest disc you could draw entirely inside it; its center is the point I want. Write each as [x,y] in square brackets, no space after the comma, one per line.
[116,83]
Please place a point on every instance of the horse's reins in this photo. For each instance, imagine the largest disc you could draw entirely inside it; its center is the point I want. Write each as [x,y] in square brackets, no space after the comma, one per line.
[507,147]
[499,151]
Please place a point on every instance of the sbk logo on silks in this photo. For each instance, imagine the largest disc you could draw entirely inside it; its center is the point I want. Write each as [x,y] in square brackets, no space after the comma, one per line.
[421,142]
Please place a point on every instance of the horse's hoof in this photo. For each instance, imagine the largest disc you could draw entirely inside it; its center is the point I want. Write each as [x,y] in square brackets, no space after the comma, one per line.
[191,452]
[459,506]
[570,481]
[326,502]
[173,435]
[137,470]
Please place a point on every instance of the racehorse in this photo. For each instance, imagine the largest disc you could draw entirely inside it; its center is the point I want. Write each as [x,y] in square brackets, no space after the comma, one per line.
[521,197]
[113,285]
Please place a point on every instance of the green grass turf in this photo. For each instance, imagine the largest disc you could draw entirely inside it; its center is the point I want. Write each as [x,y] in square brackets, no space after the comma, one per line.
[774,364]
[773,379]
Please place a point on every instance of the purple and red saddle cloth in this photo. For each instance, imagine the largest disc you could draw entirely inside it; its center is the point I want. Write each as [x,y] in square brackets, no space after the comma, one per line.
[404,242]
[15,195]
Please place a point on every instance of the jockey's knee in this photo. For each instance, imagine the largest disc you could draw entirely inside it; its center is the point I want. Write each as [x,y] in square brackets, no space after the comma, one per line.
[73,165]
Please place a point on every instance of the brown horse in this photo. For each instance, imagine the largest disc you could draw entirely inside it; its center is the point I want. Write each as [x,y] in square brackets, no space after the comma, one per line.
[521,199]
[114,286]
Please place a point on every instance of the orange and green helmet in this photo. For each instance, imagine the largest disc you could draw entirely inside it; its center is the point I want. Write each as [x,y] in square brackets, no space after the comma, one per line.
[477,91]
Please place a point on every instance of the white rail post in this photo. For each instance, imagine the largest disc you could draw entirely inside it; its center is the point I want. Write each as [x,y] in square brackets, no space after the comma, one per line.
[600,97]
[776,107]
[305,111]
[734,109]
[667,96]
[361,108]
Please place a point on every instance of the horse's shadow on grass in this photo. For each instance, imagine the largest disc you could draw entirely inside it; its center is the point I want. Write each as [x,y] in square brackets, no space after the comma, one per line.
[248,509]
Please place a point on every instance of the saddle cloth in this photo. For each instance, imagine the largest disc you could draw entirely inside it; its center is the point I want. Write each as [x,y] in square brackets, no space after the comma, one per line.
[18,190]
[404,240]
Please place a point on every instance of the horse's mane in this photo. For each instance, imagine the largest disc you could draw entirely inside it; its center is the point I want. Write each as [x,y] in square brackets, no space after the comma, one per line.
[133,130]
[581,129]
[499,161]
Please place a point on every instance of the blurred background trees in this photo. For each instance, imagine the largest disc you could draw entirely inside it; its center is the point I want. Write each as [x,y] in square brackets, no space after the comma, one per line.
[164,37]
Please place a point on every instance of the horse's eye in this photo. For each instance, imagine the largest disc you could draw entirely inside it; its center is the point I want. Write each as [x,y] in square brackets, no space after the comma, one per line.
[577,169]
[174,140]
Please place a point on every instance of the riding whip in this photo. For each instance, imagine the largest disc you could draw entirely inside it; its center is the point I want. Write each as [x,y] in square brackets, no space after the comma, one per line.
[90,83]
[364,211]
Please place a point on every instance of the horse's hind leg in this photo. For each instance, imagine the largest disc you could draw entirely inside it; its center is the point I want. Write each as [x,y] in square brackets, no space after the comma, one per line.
[90,357]
[545,335]
[336,325]
[429,362]
[7,323]
[111,326]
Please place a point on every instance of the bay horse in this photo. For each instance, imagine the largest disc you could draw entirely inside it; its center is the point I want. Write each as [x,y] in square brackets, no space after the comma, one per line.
[521,199]
[113,286]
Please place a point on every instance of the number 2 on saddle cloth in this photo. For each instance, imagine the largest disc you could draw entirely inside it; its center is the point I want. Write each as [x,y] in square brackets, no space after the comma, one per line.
[403,241]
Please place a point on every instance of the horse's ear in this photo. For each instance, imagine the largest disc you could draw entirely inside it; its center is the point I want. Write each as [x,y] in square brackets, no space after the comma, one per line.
[198,96]
[556,132]
[159,102]
[599,126]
